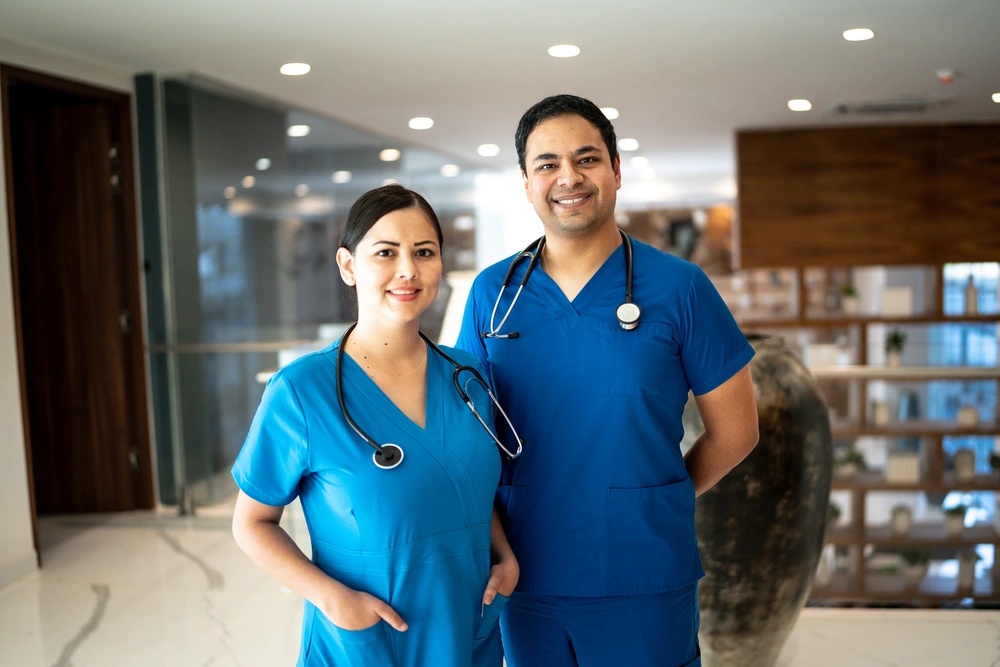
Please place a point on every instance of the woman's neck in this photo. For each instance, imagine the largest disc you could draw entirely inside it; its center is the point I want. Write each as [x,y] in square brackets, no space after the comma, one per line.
[385,344]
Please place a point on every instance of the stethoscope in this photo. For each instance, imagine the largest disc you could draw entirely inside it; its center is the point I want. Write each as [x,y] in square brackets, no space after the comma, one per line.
[389,456]
[628,313]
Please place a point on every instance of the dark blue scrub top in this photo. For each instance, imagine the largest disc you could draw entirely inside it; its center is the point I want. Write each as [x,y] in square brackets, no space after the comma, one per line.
[600,502]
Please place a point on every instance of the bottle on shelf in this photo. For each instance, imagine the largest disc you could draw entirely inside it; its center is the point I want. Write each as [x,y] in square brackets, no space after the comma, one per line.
[971,298]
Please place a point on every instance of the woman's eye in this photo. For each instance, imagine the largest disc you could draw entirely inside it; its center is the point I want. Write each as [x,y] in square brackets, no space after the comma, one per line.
[385,252]
[425,252]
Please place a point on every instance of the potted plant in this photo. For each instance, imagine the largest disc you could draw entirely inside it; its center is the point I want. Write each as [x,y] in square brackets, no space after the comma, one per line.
[915,560]
[954,518]
[895,340]
[849,299]
[963,461]
[848,462]
[995,460]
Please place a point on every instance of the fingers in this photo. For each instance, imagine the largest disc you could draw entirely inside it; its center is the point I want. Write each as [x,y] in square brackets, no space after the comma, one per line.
[390,616]
[492,588]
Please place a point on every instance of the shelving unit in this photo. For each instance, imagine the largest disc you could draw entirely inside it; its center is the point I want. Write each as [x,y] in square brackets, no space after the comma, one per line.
[792,310]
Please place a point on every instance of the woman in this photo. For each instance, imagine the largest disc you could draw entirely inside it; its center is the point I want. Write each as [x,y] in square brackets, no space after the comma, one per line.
[395,473]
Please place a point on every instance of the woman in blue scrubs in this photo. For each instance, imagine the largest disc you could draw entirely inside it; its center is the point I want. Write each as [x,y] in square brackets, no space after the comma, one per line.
[401,569]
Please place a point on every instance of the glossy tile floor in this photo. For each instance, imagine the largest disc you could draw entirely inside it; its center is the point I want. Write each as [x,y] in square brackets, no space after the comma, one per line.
[154,589]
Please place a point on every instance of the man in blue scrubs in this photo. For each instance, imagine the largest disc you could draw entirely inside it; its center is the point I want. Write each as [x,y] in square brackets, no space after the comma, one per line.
[599,509]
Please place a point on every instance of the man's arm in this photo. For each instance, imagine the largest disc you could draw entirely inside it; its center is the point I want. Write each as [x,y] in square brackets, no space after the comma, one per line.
[729,413]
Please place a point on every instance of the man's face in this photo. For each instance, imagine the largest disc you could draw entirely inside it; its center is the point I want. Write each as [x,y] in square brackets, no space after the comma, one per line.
[570,178]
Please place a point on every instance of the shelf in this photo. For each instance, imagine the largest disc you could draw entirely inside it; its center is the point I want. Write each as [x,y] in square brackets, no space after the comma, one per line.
[842,536]
[914,428]
[875,481]
[854,372]
[840,321]
[896,587]
[933,535]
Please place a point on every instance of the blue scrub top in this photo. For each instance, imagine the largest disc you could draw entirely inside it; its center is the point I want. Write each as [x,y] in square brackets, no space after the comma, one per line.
[416,536]
[600,502]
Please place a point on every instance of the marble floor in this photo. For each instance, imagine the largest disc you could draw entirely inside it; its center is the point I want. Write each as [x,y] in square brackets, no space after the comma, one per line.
[152,589]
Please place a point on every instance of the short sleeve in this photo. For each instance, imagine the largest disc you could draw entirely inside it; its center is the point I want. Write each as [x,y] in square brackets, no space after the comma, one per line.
[713,348]
[470,336]
[274,457]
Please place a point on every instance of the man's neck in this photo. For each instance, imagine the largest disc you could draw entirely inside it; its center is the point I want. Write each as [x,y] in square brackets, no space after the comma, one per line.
[571,261]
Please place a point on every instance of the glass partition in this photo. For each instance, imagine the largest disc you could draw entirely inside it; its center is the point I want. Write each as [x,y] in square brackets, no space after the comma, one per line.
[254,196]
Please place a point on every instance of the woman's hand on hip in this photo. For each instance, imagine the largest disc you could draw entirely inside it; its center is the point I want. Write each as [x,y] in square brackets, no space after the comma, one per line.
[357,610]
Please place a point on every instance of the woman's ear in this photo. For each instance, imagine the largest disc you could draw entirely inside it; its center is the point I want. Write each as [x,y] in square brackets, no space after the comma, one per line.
[345,261]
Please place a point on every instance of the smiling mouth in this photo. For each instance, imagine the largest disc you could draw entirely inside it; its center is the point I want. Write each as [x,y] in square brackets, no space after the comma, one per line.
[567,201]
[403,292]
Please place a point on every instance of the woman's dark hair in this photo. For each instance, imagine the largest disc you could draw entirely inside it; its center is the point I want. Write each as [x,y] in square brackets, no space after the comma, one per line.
[373,205]
[564,105]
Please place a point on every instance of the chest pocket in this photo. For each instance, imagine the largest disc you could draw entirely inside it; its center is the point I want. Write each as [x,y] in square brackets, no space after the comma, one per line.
[638,362]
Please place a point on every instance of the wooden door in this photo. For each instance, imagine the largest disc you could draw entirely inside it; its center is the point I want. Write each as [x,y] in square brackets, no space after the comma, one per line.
[73,228]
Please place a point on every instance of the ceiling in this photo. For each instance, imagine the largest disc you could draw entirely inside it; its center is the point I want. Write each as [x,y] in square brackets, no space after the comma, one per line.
[684,75]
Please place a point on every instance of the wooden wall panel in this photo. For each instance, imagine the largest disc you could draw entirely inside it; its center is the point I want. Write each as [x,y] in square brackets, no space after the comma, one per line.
[872,195]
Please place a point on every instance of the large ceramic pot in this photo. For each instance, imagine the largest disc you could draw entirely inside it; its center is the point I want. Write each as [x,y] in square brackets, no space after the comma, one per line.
[761,529]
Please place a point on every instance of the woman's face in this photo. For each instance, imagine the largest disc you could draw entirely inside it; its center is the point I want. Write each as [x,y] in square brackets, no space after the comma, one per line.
[396,267]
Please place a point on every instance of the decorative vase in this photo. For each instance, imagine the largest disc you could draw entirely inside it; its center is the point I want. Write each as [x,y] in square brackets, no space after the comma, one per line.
[967,569]
[893,359]
[964,462]
[914,573]
[955,524]
[902,519]
[761,528]
[850,305]
[967,416]
[880,413]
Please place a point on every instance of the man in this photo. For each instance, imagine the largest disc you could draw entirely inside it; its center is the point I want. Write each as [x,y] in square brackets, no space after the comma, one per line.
[599,508]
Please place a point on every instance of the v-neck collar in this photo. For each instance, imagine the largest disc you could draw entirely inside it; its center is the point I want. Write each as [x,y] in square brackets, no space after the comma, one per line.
[610,275]
[433,419]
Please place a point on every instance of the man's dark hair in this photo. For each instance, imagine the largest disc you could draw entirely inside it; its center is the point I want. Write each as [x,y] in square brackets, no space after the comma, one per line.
[563,105]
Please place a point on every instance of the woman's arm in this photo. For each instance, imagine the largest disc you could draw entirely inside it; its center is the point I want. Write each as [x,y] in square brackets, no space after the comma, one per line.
[256,529]
[504,571]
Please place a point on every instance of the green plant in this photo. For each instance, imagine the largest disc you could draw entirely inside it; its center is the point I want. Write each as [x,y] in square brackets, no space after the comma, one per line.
[847,455]
[833,513]
[848,290]
[957,510]
[895,340]
[915,555]
[995,460]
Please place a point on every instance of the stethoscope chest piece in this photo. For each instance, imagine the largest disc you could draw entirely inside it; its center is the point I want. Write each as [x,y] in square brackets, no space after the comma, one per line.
[388,457]
[628,315]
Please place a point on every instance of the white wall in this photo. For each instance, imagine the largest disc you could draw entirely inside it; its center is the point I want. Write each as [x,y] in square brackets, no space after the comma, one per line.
[17,552]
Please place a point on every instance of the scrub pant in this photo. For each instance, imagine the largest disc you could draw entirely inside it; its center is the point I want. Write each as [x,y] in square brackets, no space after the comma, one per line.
[659,629]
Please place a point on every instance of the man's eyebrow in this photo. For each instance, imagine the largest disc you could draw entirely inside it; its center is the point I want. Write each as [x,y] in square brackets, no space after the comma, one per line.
[579,151]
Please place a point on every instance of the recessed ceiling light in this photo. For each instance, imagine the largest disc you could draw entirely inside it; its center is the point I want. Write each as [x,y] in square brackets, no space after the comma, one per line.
[609,112]
[421,123]
[858,34]
[248,181]
[450,170]
[341,177]
[639,162]
[263,164]
[647,174]
[294,69]
[389,155]
[800,105]
[564,51]
[488,150]
[229,192]
[298,130]
[301,190]
[628,144]
[996,97]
